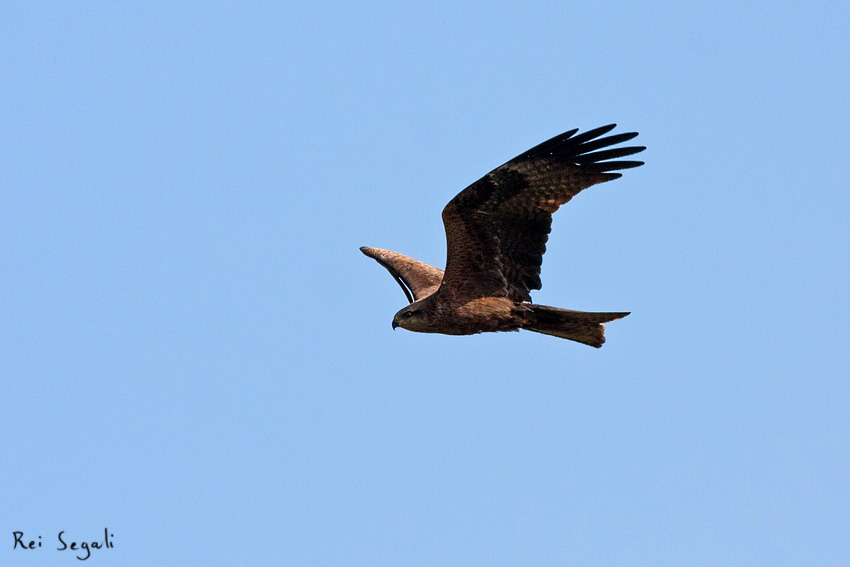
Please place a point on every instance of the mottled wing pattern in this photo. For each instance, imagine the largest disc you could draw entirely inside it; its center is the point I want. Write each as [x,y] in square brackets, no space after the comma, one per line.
[417,279]
[497,228]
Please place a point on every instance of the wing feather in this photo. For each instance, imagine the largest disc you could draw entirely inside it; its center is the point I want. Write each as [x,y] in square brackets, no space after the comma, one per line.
[416,279]
[497,228]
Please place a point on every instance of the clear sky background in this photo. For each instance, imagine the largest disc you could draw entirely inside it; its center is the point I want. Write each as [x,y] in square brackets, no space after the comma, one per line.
[194,353]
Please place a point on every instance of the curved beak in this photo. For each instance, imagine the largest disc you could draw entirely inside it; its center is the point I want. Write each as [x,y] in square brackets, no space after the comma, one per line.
[395,324]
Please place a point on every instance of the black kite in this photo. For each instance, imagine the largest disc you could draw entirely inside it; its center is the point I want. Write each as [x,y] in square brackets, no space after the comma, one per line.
[496,232]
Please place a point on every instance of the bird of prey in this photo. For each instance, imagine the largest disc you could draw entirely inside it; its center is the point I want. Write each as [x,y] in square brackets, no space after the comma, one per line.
[496,233]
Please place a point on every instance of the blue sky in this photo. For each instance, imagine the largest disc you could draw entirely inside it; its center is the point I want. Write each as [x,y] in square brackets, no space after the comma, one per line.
[195,354]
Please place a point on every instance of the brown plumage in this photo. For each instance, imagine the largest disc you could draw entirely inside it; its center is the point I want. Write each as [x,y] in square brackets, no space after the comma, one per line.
[496,232]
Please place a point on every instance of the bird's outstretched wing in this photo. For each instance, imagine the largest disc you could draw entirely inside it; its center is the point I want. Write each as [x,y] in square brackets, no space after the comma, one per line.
[496,229]
[417,279]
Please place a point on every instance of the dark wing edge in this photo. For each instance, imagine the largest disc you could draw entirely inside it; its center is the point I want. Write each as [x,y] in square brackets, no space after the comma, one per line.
[416,279]
[569,149]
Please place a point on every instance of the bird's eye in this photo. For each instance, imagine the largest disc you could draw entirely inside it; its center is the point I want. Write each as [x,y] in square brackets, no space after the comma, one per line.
[408,314]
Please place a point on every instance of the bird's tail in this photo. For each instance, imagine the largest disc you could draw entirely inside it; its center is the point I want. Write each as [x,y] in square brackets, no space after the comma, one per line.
[577,326]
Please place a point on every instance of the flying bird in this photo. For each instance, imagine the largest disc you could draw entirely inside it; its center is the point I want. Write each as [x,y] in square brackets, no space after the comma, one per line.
[496,233]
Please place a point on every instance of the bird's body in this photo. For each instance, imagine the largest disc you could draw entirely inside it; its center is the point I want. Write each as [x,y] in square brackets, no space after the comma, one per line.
[496,232]
[479,315]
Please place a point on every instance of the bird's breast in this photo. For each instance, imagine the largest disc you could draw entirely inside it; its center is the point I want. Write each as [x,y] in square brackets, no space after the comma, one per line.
[487,314]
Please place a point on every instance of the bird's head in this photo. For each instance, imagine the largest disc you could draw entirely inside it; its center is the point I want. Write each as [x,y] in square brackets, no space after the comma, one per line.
[413,318]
